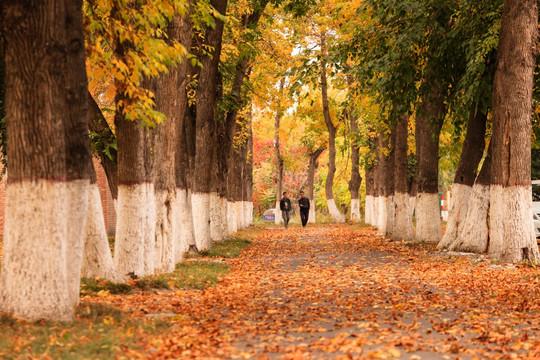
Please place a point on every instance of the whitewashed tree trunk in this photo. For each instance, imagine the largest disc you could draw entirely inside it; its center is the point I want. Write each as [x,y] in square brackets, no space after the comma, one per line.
[166,216]
[412,205]
[355,210]
[35,251]
[457,214]
[232,225]
[474,231]
[337,216]
[382,209]
[428,218]
[186,224]
[97,259]
[223,209]
[390,217]
[239,215]
[312,213]
[77,210]
[368,216]
[403,220]
[130,232]
[200,207]
[512,231]
[247,213]
[215,218]
[149,229]
[278,217]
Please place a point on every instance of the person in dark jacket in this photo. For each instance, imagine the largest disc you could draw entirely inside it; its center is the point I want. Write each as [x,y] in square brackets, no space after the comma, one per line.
[285,207]
[304,208]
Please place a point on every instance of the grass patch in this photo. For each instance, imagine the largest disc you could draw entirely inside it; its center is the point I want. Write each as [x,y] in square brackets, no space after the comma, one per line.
[194,275]
[229,248]
[96,286]
[100,332]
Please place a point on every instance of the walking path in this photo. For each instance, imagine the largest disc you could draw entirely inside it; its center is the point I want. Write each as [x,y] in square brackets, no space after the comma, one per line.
[339,292]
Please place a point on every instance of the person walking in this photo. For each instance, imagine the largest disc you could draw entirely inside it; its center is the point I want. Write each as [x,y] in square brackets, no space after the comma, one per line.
[285,207]
[304,208]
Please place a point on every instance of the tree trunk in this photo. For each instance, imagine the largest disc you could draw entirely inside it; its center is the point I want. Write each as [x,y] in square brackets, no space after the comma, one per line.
[370,191]
[428,127]
[47,193]
[388,187]
[106,153]
[336,214]
[356,179]
[248,174]
[471,154]
[164,172]
[512,231]
[312,166]
[205,131]
[403,227]
[277,155]
[473,234]
[97,259]
[184,152]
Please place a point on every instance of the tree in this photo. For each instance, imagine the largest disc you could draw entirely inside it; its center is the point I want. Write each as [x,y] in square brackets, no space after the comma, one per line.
[47,195]
[512,235]
[279,160]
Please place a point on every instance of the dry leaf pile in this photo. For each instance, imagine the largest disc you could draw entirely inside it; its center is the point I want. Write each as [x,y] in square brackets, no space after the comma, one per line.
[335,292]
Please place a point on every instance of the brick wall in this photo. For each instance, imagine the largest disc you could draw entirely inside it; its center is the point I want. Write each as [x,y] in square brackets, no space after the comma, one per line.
[109,212]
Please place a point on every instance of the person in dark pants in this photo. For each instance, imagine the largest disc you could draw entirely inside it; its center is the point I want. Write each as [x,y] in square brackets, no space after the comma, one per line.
[304,208]
[285,207]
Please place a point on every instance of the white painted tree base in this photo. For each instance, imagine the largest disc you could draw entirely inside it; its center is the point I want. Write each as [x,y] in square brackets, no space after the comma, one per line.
[512,231]
[240,215]
[200,207]
[216,233]
[390,217]
[312,213]
[224,225]
[368,216]
[355,210]
[97,259]
[382,209]
[278,216]
[149,229]
[248,211]
[77,210]
[412,205]
[33,280]
[130,233]
[336,215]
[403,230]
[186,237]
[474,231]
[457,214]
[166,214]
[232,225]
[428,218]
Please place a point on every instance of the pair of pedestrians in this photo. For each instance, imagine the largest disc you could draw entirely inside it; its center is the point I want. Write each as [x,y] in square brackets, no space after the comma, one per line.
[285,207]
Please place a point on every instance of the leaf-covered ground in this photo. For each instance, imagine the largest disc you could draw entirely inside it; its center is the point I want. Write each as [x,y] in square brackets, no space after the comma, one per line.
[343,292]
[325,292]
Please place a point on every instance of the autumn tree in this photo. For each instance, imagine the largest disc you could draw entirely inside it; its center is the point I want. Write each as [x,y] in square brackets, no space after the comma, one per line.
[47,194]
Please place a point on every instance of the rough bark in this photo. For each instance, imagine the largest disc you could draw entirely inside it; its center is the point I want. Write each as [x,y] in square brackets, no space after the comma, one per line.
[403,228]
[356,179]
[184,152]
[46,108]
[312,167]
[512,232]
[471,154]
[428,127]
[108,159]
[336,214]
[388,188]
[205,123]
[277,155]
[370,191]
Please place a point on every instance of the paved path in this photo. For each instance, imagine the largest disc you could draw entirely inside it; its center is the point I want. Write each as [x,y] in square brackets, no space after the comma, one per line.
[343,293]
